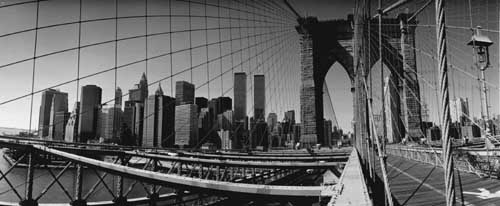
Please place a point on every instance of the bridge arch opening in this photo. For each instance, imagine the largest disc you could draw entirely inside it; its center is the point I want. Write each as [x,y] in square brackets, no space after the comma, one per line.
[339,88]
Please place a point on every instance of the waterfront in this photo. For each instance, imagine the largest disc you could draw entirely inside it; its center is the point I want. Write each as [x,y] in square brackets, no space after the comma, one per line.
[55,194]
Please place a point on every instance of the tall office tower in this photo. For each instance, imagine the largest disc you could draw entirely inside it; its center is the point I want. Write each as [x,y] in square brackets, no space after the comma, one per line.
[159,115]
[240,96]
[259,94]
[90,106]
[201,102]
[260,135]
[44,115]
[459,110]
[71,131]
[290,116]
[224,104]
[59,106]
[184,93]
[225,120]
[111,123]
[138,122]
[118,97]
[296,132]
[213,109]
[132,118]
[204,122]
[240,130]
[327,135]
[186,125]
[272,120]
[58,130]
[226,141]
[140,92]
[288,122]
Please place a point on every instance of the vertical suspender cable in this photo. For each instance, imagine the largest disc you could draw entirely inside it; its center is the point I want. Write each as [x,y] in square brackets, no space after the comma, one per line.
[34,66]
[191,41]
[378,144]
[78,70]
[444,100]
[369,94]
[220,45]
[171,53]
[146,35]
[116,68]
[382,82]
[206,40]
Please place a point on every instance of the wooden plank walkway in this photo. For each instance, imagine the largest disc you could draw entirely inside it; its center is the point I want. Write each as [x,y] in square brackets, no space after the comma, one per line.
[416,183]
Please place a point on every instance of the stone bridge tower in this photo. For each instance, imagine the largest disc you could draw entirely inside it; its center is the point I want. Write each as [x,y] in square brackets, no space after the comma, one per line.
[323,43]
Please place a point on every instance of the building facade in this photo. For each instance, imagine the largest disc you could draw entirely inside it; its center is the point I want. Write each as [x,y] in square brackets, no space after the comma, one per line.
[186,125]
[240,96]
[259,94]
[184,93]
[159,115]
[90,106]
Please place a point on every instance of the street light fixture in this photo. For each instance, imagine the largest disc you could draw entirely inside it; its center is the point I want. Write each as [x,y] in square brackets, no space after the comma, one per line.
[481,45]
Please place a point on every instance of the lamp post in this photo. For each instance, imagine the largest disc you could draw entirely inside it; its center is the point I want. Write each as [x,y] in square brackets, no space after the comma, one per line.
[481,44]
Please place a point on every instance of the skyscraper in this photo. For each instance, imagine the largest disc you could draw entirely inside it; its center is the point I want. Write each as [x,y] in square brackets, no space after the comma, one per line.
[272,120]
[133,111]
[201,102]
[159,115]
[186,125]
[132,118]
[224,104]
[58,115]
[45,108]
[89,109]
[118,97]
[111,123]
[327,135]
[259,100]
[140,92]
[240,96]
[184,93]
[71,131]
[459,110]
[290,116]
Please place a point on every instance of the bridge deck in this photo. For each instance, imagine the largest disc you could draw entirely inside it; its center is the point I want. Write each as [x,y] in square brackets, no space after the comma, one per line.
[416,183]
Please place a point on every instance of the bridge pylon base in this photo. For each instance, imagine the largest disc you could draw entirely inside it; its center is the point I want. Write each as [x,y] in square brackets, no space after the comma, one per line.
[79,203]
[153,199]
[28,202]
[120,201]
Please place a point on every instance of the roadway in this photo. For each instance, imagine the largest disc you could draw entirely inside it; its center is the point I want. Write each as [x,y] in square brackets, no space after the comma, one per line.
[416,183]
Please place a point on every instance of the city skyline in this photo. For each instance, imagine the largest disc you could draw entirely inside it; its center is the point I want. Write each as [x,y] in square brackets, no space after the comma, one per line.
[97,59]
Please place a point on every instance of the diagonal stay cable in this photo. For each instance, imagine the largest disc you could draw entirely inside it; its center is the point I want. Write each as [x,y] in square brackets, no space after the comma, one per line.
[121,66]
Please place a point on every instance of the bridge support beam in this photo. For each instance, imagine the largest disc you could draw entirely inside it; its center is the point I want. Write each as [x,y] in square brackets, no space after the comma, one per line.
[28,199]
[79,201]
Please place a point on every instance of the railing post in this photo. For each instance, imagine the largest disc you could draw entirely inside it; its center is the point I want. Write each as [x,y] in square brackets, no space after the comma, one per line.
[78,187]
[28,198]
[154,196]
[120,199]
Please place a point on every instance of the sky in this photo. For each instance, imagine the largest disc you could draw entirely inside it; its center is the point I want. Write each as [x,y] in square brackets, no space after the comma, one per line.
[279,60]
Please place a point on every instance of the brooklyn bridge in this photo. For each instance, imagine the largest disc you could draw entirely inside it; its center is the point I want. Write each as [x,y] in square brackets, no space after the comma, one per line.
[249,102]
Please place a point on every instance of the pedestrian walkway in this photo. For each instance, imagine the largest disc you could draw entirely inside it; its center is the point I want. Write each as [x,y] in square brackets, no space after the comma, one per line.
[416,183]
